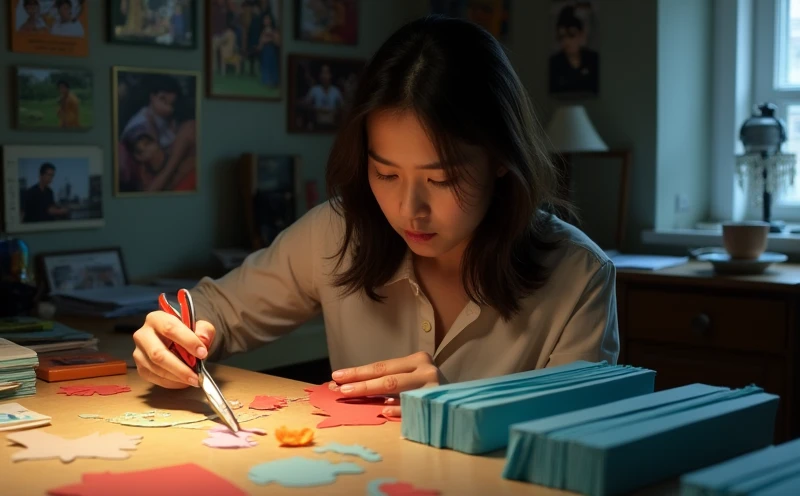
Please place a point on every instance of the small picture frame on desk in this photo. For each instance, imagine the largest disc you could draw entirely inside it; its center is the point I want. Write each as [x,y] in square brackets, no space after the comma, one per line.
[87,269]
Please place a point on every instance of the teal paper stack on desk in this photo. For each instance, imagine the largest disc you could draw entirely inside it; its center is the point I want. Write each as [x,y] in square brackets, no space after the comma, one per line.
[474,416]
[636,442]
[17,367]
[771,471]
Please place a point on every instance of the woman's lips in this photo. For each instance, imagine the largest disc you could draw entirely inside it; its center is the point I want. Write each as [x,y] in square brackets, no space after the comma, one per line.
[419,237]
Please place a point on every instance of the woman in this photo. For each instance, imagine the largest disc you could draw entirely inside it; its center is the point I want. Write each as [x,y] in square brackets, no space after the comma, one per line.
[434,261]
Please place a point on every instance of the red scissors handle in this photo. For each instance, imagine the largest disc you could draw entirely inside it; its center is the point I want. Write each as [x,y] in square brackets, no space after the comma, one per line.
[184,313]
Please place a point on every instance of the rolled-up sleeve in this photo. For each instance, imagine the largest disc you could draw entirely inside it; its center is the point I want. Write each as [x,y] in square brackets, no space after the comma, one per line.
[273,291]
[592,331]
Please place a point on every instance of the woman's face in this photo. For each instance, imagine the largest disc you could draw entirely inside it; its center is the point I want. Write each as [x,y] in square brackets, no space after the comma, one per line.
[413,191]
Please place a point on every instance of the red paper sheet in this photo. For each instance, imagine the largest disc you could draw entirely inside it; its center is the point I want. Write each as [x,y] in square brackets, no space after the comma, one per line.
[342,410]
[268,402]
[167,481]
[104,390]
[405,489]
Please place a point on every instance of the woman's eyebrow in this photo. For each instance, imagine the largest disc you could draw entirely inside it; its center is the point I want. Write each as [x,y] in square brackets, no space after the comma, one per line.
[384,161]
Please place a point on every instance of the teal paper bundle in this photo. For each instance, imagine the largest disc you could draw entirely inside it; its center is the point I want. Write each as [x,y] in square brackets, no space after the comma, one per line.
[630,444]
[474,416]
[771,471]
[17,364]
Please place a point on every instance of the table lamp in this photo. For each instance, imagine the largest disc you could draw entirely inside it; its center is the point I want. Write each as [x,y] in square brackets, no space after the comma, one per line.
[571,131]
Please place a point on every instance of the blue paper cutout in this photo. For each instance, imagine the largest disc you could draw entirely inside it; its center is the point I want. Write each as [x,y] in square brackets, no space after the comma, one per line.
[350,449]
[373,488]
[299,471]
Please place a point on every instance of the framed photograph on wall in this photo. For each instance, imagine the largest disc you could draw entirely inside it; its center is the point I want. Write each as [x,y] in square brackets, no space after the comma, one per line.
[574,65]
[53,98]
[320,91]
[332,21]
[243,49]
[48,188]
[156,122]
[86,269]
[49,27]
[271,187]
[171,24]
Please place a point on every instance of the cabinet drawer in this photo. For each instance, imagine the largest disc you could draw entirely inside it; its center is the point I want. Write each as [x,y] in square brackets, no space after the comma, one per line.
[719,321]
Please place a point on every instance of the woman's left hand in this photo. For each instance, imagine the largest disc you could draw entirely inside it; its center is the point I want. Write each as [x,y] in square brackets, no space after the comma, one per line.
[389,378]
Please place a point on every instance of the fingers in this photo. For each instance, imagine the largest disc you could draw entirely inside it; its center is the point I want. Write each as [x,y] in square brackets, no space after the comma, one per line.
[153,353]
[380,369]
[390,384]
[392,411]
[159,376]
[172,328]
[205,332]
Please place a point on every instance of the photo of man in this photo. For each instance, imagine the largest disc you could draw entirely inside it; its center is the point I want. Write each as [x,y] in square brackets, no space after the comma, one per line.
[57,99]
[58,189]
[39,202]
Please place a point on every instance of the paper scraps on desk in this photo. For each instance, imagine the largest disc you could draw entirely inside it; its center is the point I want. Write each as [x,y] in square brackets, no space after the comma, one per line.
[391,487]
[177,479]
[103,389]
[154,418]
[294,437]
[42,445]
[222,437]
[15,416]
[268,402]
[301,472]
[350,449]
[342,410]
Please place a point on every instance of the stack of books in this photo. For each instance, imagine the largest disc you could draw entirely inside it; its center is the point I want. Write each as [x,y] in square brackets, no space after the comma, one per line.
[45,336]
[474,416]
[17,370]
[774,470]
[630,444]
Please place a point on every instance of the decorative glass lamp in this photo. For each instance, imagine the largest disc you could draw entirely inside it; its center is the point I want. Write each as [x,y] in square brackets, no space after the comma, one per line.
[763,170]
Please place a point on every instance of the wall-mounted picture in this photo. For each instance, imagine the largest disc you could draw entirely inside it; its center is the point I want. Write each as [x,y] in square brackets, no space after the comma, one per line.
[327,21]
[93,269]
[271,189]
[163,23]
[156,122]
[50,99]
[49,27]
[243,49]
[320,91]
[492,15]
[50,188]
[575,63]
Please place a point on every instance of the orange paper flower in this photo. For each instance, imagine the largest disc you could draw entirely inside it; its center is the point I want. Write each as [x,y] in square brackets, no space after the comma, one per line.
[294,437]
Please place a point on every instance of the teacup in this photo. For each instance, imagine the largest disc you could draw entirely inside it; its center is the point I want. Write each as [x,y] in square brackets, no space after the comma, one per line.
[745,240]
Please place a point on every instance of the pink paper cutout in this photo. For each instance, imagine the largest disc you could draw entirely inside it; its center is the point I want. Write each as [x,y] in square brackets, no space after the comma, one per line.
[268,402]
[221,436]
[104,390]
[166,481]
[405,489]
[342,410]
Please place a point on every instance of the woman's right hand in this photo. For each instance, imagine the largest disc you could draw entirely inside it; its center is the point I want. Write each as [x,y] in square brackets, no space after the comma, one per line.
[156,363]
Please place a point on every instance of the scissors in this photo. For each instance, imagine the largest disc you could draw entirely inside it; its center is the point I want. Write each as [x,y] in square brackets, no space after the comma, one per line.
[184,310]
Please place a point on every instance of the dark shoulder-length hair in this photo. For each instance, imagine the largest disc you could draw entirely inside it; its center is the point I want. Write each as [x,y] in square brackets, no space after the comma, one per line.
[458,81]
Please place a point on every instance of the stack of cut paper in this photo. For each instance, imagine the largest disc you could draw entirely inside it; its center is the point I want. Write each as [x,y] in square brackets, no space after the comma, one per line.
[474,416]
[771,471]
[630,444]
[17,365]
[44,336]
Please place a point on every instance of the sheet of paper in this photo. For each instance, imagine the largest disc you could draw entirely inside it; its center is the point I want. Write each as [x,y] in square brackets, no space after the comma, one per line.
[88,390]
[294,437]
[301,472]
[177,479]
[41,445]
[647,262]
[350,449]
[268,402]
[222,437]
[346,411]
[15,416]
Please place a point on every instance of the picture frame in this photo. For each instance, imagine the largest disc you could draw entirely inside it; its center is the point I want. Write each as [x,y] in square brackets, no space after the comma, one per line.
[575,38]
[241,63]
[64,271]
[49,27]
[334,22]
[32,173]
[173,25]
[49,98]
[272,186]
[156,122]
[321,89]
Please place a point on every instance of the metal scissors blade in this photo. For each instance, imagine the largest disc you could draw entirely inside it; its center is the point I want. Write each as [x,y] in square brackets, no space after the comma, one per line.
[183,309]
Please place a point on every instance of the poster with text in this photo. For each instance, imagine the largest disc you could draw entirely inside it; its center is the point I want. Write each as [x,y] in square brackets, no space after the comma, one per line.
[49,27]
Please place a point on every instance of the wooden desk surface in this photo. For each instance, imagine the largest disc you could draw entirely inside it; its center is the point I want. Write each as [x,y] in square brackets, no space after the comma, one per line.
[449,471]
[781,277]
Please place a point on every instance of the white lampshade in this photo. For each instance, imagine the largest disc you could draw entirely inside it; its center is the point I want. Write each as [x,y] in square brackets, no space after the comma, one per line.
[570,130]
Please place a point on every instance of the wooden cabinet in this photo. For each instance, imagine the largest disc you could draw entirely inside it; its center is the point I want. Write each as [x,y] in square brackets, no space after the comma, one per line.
[690,326]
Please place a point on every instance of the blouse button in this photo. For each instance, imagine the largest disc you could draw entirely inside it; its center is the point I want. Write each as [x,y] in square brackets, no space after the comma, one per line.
[426,326]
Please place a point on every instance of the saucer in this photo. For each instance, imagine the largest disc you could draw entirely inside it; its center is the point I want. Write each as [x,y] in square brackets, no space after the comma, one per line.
[724,264]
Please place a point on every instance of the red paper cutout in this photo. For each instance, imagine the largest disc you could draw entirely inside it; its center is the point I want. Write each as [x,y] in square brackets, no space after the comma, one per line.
[342,410]
[167,481]
[103,390]
[268,402]
[405,489]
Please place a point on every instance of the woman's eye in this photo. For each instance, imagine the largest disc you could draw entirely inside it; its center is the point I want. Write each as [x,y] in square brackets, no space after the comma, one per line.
[383,177]
[441,184]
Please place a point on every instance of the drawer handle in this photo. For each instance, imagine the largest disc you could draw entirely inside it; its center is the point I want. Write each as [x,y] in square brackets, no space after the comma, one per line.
[701,324]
